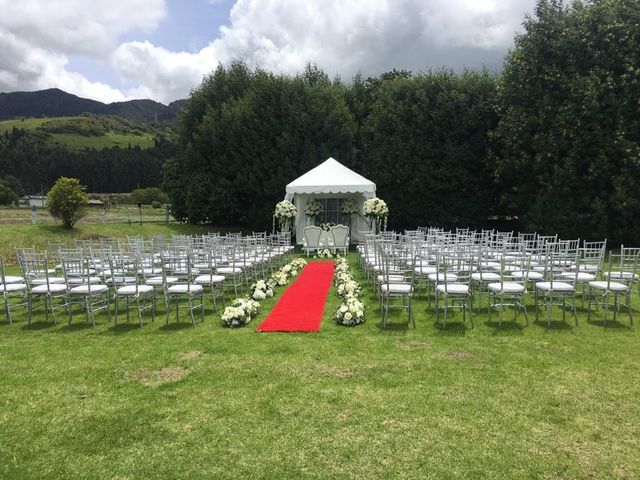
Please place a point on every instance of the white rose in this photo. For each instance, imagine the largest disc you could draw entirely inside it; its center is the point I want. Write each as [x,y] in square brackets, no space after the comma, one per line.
[348,316]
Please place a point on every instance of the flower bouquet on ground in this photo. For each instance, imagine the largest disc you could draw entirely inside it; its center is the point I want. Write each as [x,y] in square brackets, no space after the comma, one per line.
[313,209]
[240,313]
[326,253]
[261,290]
[377,211]
[350,313]
[280,278]
[285,213]
[350,288]
[299,263]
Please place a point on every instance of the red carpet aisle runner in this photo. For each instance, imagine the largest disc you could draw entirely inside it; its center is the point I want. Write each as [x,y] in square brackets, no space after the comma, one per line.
[300,308]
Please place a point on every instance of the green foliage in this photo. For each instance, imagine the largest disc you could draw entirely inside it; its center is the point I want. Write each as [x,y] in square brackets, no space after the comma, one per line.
[424,141]
[245,134]
[156,204]
[67,201]
[8,196]
[568,141]
[37,163]
[147,196]
[15,184]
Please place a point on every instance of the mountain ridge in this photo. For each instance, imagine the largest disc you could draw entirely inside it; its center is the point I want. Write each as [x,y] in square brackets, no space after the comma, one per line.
[54,102]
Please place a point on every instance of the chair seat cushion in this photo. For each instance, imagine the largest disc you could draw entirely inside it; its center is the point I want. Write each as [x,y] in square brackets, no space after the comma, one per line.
[450,277]
[52,288]
[582,276]
[229,270]
[506,287]
[131,289]
[557,286]
[425,270]
[150,271]
[207,279]
[43,281]
[453,288]
[82,280]
[613,286]
[13,279]
[403,288]
[485,277]
[84,289]
[531,275]
[158,280]
[622,275]
[392,278]
[193,288]
[12,287]
[121,280]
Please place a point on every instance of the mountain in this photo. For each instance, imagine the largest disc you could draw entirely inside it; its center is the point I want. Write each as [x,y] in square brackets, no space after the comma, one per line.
[54,102]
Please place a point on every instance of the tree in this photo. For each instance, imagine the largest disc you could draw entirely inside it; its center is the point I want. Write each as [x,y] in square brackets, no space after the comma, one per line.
[67,201]
[148,196]
[7,195]
[568,141]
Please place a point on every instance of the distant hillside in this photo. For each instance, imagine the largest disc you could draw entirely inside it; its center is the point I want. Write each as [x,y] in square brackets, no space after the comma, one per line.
[54,102]
[89,131]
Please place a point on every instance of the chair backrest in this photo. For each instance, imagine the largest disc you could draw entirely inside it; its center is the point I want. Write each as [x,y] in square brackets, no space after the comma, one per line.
[340,234]
[312,236]
[35,266]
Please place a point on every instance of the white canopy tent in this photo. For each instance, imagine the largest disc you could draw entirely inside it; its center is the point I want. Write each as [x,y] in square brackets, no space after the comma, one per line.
[330,180]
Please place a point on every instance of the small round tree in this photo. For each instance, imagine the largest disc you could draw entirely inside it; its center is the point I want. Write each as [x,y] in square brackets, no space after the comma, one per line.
[7,195]
[67,201]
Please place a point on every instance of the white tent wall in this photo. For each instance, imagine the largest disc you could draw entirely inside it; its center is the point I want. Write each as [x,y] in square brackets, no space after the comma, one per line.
[359,223]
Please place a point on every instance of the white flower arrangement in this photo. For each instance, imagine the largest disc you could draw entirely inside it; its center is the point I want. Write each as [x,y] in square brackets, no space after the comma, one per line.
[342,277]
[280,278]
[298,263]
[261,290]
[326,253]
[240,313]
[284,213]
[350,313]
[285,210]
[376,210]
[350,207]
[313,209]
[349,289]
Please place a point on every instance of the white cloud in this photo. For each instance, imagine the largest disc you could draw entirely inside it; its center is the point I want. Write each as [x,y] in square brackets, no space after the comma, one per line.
[36,38]
[342,37]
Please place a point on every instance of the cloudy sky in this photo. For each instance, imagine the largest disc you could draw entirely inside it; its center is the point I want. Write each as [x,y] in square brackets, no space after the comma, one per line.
[113,50]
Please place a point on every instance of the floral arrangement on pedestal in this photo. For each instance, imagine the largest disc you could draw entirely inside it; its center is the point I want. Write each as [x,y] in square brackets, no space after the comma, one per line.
[351,311]
[350,207]
[377,211]
[313,209]
[285,213]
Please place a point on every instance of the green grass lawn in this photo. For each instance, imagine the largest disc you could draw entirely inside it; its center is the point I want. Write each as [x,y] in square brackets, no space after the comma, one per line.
[209,402]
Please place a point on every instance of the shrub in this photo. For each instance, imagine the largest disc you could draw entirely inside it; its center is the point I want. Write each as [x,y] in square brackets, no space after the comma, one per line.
[156,204]
[147,196]
[7,195]
[67,201]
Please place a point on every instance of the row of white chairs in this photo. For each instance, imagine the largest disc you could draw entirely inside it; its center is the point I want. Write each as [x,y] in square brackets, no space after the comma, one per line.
[138,273]
[460,268]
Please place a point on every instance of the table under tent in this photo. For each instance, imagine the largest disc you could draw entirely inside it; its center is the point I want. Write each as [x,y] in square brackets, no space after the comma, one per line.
[330,183]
